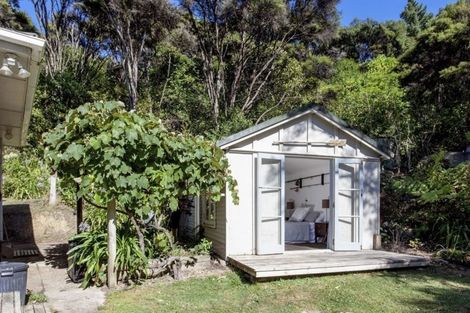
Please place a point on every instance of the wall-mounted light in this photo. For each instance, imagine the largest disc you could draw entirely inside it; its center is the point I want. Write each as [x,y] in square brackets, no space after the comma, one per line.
[22,73]
[11,65]
[5,69]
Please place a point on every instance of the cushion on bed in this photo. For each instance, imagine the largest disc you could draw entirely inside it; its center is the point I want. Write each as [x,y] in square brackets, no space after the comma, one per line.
[299,214]
[312,216]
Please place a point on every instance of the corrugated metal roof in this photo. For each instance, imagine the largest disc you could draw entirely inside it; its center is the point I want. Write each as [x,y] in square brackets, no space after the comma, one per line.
[316,109]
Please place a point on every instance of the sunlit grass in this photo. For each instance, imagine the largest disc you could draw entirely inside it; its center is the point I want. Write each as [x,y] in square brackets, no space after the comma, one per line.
[425,290]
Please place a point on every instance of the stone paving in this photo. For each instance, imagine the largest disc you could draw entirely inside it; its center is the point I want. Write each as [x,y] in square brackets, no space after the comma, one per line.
[48,274]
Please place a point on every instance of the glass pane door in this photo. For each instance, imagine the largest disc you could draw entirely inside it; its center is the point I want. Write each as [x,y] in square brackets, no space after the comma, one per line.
[347,204]
[270,204]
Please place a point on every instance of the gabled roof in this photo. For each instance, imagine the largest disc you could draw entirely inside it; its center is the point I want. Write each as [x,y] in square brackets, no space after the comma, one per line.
[229,141]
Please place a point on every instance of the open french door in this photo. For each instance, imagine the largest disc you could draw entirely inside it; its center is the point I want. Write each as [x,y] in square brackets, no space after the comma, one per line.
[270,194]
[346,189]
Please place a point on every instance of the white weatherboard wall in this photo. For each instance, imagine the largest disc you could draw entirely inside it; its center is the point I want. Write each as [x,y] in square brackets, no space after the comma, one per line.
[216,234]
[241,217]
[311,128]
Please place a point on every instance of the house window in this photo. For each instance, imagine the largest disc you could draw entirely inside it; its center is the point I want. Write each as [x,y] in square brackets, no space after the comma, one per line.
[210,214]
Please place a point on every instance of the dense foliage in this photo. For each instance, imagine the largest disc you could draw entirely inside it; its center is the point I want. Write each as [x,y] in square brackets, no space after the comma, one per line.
[91,252]
[131,157]
[25,176]
[113,154]
[371,98]
[442,202]
[216,67]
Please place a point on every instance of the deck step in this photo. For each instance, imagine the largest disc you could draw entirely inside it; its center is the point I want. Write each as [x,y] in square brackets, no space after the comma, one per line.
[316,263]
[25,252]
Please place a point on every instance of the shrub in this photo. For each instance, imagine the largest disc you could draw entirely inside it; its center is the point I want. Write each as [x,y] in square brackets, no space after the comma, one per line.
[204,247]
[437,202]
[455,255]
[35,297]
[92,253]
[25,176]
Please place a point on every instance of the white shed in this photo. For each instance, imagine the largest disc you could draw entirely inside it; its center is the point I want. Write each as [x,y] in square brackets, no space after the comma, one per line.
[306,180]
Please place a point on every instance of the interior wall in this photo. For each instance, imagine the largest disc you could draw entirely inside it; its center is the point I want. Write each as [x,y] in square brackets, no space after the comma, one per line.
[297,168]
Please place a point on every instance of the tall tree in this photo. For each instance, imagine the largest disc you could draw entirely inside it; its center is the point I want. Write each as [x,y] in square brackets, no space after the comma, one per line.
[416,17]
[370,98]
[74,69]
[438,80]
[12,17]
[57,27]
[132,29]
[239,44]
[364,40]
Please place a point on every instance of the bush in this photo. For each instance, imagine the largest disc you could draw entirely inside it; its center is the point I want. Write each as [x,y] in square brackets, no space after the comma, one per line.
[25,176]
[455,256]
[204,247]
[91,252]
[434,203]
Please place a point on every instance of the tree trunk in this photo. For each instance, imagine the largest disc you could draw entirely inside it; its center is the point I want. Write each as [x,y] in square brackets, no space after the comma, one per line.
[140,235]
[79,213]
[112,278]
[53,189]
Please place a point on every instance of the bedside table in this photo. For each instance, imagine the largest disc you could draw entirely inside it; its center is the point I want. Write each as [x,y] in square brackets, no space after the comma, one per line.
[321,232]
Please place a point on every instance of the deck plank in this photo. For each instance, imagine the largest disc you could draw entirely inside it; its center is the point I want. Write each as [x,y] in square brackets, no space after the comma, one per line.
[324,262]
[7,303]
[17,301]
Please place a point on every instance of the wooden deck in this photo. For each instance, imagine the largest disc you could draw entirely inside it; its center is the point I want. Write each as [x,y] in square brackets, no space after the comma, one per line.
[300,263]
[10,302]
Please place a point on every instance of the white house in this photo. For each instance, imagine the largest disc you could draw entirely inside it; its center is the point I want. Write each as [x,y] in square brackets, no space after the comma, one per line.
[297,172]
[20,56]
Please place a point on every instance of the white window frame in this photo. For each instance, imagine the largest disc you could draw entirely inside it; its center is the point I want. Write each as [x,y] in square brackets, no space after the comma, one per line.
[208,206]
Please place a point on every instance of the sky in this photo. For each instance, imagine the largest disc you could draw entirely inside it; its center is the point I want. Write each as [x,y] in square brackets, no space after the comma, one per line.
[379,10]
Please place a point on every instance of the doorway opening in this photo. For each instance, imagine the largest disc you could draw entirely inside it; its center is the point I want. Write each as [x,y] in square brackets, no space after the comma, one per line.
[307,203]
[307,194]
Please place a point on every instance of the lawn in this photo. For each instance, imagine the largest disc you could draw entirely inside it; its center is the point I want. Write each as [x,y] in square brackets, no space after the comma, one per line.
[426,290]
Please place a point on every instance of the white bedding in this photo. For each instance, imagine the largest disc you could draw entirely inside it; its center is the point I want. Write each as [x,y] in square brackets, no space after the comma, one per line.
[297,232]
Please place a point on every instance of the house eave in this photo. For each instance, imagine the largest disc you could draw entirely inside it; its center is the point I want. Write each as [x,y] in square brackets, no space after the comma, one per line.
[29,47]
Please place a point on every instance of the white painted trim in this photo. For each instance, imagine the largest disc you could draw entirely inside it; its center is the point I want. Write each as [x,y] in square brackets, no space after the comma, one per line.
[262,248]
[32,47]
[347,246]
[28,106]
[21,38]
[206,222]
[300,154]
[311,111]
[351,134]
[223,147]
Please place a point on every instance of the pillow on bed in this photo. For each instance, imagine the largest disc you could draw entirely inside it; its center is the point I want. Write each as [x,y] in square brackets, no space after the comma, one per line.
[321,218]
[312,216]
[299,214]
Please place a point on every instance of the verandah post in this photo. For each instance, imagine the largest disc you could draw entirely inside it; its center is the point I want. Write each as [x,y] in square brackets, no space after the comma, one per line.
[112,277]
[1,192]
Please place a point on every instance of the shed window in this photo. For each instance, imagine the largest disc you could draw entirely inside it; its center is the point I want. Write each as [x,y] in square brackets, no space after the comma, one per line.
[209,213]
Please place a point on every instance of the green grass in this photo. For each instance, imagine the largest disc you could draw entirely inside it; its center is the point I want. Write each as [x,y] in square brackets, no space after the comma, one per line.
[425,290]
[35,297]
